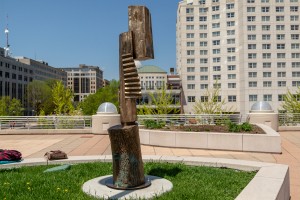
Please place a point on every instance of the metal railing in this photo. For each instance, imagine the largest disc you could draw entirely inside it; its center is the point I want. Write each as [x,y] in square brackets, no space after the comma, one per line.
[45,122]
[289,119]
[193,119]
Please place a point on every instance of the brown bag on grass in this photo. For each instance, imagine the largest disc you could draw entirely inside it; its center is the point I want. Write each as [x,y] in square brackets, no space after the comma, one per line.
[55,155]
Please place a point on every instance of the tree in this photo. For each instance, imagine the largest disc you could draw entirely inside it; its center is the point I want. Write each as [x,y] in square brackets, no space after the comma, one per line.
[162,102]
[108,93]
[211,103]
[291,102]
[39,95]
[62,99]
[10,107]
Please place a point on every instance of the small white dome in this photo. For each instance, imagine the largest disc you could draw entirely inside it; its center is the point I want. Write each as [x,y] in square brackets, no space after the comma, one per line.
[261,106]
[107,107]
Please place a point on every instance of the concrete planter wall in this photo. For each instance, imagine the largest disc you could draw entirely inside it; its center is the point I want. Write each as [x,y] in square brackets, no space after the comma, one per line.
[269,142]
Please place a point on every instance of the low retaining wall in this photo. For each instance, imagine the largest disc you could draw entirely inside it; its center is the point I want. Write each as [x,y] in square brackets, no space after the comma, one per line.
[44,131]
[271,181]
[269,142]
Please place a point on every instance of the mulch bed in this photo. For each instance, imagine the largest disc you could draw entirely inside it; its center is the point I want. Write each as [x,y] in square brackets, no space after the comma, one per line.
[210,128]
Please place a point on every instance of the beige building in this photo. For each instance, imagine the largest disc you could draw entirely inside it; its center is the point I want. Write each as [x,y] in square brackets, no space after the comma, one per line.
[250,49]
[84,80]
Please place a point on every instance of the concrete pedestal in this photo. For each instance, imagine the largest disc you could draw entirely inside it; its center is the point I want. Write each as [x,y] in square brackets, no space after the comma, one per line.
[269,119]
[101,122]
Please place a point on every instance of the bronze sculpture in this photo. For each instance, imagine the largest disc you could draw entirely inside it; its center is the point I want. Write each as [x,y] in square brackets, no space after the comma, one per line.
[136,44]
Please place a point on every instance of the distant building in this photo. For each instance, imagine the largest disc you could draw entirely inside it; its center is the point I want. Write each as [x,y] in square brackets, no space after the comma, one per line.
[84,80]
[153,78]
[42,71]
[105,82]
[249,49]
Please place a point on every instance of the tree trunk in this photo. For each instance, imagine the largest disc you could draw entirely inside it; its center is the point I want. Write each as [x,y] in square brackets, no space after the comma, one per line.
[128,169]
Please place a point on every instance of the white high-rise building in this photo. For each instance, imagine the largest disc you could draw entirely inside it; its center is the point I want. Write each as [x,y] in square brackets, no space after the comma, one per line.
[248,48]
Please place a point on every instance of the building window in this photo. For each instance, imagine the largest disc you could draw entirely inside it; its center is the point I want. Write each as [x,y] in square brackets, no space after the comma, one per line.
[252,65]
[294,18]
[190,61]
[203,60]
[295,74]
[203,78]
[295,36]
[267,83]
[252,97]
[203,27]
[231,98]
[216,77]
[295,83]
[204,98]
[230,41]
[281,83]
[266,55]
[251,18]
[267,74]
[216,25]
[250,9]
[216,51]
[216,68]
[231,50]
[252,84]
[265,18]
[251,55]
[231,58]
[190,86]
[266,65]
[265,1]
[231,67]
[202,18]
[279,18]
[230,6]
[216,42]
[216,33]
[281,65]
[231,76]
[230,15]
[217,85]
[190,44]
[294,27]
[216,16]
[251,46]
[189,10]
[266,27]
[190,78]
[279,9]
[190,52]
[203,44]
[267,97]
[190,69]
[252,74]
[203,35]
[280,36]
[280,46]
[294,8]
[189,27]
[266,46]
[203,86]
[251,27]
[189,19]
[203,69]
[295,64]
[231,32]
[266,37]
[191,98]
[251,37]
[231,85]
[203,52]
[231,23]
[280,55]
[280,27]
[295,46]
[295,55]
[190,35]
[281,97]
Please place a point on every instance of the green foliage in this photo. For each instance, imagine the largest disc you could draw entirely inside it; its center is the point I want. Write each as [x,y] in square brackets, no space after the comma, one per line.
[11,107]
[161,103]
[190,182]
[154,124]
[244,127]
[106,94]
[39,96]
[291,102]
[62,99]
[212,104]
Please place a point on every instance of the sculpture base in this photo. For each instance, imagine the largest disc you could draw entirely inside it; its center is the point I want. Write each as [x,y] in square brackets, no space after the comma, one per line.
[110,183]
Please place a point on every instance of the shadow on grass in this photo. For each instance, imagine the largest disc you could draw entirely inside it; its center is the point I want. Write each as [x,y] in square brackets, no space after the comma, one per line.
[162,172]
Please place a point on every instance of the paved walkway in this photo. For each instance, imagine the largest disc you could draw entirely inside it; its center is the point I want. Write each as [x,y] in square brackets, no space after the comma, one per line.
[35,146]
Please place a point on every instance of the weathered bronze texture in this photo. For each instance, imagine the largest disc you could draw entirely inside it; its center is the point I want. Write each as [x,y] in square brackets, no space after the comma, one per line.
[136,44]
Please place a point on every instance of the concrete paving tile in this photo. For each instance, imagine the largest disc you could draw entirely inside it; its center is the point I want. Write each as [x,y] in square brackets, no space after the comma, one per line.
[163,151]
[200,152]
[181,152]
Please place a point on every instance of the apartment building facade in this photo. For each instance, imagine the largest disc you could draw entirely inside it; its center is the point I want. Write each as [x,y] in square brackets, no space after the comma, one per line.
[84,80]
[247,48]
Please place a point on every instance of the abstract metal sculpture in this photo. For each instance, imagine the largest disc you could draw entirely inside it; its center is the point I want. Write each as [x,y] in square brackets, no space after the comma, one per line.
[136,44]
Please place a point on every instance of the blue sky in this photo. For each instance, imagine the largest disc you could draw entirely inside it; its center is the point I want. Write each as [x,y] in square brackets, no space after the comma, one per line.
[66,33]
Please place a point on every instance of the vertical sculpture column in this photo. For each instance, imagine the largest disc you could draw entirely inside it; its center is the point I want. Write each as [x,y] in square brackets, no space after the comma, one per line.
[136,44]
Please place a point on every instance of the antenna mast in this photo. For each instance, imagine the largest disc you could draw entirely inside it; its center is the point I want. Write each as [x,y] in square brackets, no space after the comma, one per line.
[6,31]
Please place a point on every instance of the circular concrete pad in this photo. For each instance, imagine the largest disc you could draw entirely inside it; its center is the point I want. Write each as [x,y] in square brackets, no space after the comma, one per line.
[96,187]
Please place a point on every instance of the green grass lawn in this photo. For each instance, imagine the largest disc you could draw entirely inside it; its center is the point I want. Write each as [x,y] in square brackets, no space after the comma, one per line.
[189,182]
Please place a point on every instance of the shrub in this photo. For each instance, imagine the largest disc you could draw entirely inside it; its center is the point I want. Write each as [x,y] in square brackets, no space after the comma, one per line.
[233,127]
[246,127]
[153,124]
